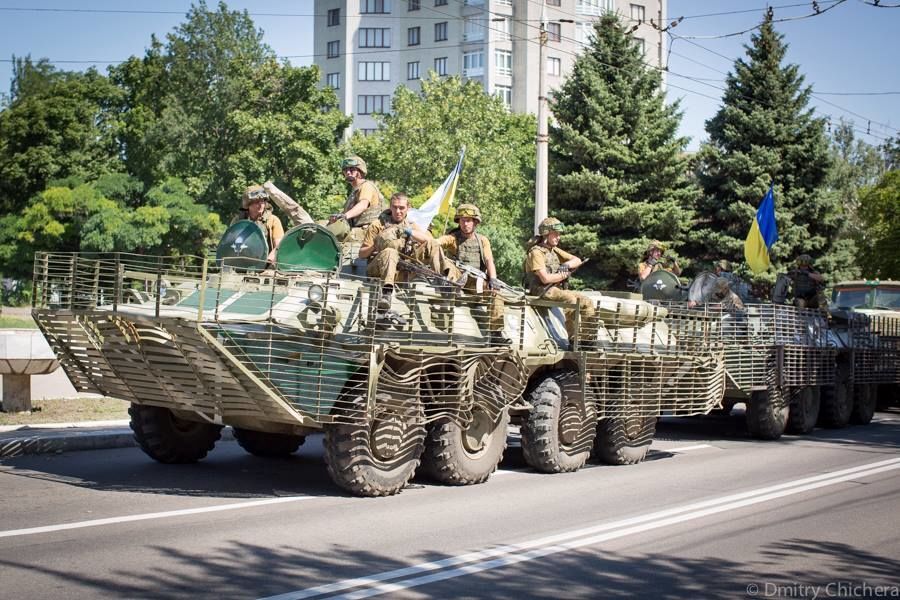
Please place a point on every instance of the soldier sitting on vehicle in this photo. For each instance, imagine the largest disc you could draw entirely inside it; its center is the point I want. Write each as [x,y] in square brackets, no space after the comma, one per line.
[465,245]
[547,268]
[255,207]
[386,238]
[808,285]
[724,295]
[655,259]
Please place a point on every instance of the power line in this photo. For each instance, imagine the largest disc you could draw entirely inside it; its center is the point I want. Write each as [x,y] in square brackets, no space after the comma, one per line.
[817,11]
[746,10]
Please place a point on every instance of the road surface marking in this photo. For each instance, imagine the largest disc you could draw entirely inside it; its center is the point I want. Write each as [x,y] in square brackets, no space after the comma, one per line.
[687,448]
[475,562]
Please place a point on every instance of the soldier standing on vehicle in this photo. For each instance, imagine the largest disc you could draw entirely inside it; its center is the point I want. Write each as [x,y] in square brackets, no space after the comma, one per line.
[808,284]
[385,239]
[724,295]
[655,259]
[465,245]
[547,267]
[255,207]
[364,204]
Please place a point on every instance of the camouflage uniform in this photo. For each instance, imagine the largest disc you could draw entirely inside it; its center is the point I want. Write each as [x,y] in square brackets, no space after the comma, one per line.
[808,292]
[354,228]
[388,239]
[475,252]
[662,263]
[268,222]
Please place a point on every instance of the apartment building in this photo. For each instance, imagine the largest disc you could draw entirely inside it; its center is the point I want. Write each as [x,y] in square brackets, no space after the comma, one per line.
[366,48]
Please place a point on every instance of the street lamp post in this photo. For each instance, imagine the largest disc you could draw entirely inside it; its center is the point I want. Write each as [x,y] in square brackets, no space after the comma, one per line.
[541,167]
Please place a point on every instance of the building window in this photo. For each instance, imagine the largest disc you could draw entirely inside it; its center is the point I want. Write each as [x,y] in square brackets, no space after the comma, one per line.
[593,8]
[440,31]
[505,2]
[503,61]
[554,32]
[637,12]
[413,5]
[333,80]
[334,17]
[504,92]
[553,3]
[502,29]
[377,7]
[366,104]
[374,71]
[473,63]
[333,49]
[367,132]
[440,2]
[440,65]
[412,36]
[374,37]
[473,30]
[474,2]
[554,66]
[584,32]
[412,70]
[642,45]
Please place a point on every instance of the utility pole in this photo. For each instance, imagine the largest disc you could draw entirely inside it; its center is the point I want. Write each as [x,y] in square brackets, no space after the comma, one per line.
[540,179]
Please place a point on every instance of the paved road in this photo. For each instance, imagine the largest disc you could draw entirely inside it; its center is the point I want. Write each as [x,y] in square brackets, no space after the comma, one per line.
[711,514]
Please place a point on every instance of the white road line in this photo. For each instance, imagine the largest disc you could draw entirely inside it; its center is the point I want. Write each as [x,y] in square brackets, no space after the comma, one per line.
[148,516]
[510,554]
[686,448]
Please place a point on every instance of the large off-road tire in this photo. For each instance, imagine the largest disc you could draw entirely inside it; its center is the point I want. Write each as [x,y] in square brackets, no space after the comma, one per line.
[458,456]
[865,399]
[375,455]
[727,407]
[836,404]
[766,416]
[804,410]
[169,439]
[269,445]
[624,440]
[559,432]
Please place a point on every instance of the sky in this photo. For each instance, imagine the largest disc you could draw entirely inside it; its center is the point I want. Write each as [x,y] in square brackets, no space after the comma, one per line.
[852,48]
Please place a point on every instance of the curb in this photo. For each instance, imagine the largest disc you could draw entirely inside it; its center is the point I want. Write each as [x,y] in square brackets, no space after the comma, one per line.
[25,442]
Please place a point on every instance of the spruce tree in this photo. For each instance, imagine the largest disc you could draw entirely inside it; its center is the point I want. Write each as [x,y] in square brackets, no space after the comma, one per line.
[765,132]
[619,176]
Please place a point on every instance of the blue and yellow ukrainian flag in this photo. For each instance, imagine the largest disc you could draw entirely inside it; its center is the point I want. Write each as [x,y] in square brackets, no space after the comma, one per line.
[763,233]
[441,199]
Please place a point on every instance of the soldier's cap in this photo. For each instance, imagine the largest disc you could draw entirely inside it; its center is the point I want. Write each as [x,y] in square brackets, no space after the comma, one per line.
[252,194]
[468,210]
[550,224]
[804,259]
[658,245]
[354,162]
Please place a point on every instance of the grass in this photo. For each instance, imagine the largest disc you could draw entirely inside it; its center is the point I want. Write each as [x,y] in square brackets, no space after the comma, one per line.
[17,323]
[68,411]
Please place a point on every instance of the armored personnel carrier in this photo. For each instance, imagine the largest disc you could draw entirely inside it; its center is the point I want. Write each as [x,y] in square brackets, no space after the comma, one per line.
[279,353]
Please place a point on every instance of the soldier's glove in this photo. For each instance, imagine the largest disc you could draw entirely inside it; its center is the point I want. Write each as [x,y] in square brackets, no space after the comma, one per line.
[652,262]
[494,283]
[408,232]
[337,217]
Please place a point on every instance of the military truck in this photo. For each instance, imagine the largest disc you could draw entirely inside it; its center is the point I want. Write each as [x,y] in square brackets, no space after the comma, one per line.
[196,343]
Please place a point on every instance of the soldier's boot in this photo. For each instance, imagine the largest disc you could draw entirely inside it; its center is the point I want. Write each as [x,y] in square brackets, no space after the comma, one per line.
[498,339]
[384,302]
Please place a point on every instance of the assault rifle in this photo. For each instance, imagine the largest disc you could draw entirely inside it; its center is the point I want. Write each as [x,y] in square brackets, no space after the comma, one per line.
[495,284]
[564,284]
[435,279]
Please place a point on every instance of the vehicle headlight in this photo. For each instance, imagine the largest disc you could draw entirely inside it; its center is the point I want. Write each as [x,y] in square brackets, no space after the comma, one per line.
[316,293]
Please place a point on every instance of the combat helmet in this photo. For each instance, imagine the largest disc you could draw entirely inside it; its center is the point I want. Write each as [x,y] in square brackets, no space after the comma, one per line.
[550,224]
[252,194]
[724,265]
[356,162]
[657,245]
[804,260]
[468,210]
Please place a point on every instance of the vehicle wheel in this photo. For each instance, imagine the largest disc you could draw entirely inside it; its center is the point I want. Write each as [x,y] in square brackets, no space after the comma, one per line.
[836,405]
[169,439]
[624,440]
[766,417]
[458,456]
[804,410]
[375,455]
[558,433]
[269,445]
[864,401]
[727,407]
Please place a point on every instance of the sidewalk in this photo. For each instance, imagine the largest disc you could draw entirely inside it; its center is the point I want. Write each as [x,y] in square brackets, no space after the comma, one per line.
[55,438]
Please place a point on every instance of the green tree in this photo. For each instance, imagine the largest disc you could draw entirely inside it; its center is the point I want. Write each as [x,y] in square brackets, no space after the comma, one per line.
[766,132]
[619,175]
[418,144]
[214,108]
[57,124]
[880,213]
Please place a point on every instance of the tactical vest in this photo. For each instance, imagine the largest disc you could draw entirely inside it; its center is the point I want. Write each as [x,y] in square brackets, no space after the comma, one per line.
[370,214]
[469,251]
[804,286]
[551,262]
[391,230]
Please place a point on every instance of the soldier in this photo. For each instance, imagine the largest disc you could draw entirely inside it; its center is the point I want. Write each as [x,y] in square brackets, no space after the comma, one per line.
[724,295]
[547,266]
[808,284]
[364,204]
[255,207]
[296,213]
[655,259]
[466,245]
[385,238]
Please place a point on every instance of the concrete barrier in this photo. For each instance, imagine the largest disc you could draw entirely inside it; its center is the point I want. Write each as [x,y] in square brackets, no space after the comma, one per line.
[23,353]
